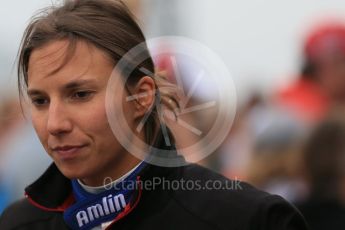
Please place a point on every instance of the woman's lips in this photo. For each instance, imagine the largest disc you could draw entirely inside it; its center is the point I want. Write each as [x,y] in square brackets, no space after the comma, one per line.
[68,152]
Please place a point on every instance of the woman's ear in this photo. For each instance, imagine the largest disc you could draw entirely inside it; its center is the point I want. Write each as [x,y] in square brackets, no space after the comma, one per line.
[145,96]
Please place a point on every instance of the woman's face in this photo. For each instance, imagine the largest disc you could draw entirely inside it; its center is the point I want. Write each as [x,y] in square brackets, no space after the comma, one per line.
[68,111]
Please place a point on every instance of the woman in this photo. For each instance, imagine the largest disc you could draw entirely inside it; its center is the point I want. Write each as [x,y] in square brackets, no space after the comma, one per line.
[66,58]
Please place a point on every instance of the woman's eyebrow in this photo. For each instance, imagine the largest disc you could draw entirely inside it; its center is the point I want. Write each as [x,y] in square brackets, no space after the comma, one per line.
[70,85]
[78,83]
[33,92]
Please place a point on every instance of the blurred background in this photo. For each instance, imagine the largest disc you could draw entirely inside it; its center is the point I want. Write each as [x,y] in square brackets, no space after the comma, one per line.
[287,61]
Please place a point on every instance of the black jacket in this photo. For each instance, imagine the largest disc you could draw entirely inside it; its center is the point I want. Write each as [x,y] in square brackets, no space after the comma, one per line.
[323,213]
[240,206]
[184,199]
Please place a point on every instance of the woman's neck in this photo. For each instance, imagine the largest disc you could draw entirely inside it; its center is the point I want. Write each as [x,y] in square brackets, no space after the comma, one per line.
[109,184]
[115,172]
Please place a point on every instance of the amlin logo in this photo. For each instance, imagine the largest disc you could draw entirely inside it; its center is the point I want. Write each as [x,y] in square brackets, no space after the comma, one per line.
[109,205]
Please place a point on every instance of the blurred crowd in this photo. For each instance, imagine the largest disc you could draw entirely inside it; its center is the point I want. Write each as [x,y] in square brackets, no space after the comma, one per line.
[290,142]
[22,158]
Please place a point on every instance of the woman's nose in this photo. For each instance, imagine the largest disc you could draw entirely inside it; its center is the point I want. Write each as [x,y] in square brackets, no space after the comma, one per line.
[58,122]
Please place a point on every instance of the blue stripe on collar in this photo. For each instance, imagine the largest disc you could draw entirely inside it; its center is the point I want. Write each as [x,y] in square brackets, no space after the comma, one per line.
[92,210]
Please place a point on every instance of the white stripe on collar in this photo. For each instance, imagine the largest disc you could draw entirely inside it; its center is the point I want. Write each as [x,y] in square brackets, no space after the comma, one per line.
[99,189]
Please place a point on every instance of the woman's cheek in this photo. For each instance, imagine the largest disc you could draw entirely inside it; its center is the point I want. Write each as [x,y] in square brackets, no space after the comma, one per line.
[95,118]
[39,125]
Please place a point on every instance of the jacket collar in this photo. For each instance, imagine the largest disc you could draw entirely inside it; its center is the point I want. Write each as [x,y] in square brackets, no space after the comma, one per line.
[50,191]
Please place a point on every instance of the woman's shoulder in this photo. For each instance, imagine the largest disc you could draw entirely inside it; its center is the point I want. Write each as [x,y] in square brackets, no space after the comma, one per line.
[22,213]
[224,202]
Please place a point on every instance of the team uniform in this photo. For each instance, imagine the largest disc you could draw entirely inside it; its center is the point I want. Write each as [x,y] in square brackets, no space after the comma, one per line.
[55,202]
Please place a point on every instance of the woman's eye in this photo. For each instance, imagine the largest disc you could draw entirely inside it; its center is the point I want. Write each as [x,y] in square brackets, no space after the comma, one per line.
[39,101]
[82,94]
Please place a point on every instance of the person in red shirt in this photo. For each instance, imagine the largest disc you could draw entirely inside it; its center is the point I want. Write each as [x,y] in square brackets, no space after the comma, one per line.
[322,81]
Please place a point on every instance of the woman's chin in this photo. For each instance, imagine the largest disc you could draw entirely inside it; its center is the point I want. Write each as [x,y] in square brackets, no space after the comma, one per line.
[71,172]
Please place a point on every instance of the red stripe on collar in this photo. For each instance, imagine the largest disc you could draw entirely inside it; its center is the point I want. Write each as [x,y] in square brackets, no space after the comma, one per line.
[68,202]
[128,207]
